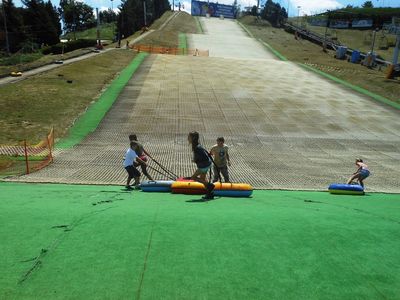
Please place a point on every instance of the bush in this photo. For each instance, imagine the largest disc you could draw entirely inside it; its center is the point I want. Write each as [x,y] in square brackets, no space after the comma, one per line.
[69,46]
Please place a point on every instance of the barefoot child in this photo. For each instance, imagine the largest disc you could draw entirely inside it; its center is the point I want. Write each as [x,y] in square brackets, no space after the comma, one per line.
[221,160]
[361,173]
[142,155]
[129,160]
[203,162]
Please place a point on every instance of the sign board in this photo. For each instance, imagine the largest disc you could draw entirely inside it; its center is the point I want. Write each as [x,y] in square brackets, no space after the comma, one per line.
[362,23]
[201,8]
[339,24]
[318,22]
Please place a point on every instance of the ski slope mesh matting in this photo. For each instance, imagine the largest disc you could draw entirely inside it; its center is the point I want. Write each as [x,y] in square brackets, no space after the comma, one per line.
[286,128]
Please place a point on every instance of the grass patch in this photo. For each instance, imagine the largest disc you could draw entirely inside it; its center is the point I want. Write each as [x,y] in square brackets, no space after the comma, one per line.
[47,99]
[361,40]
[107,32]
[108,243]
[18,58]
[303,51]
[95,113]
[38,60]
[169,35]
[160,21]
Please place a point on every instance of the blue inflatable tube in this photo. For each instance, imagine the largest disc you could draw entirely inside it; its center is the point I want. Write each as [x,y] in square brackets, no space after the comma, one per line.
[156,186]
[233,193]
[346,189]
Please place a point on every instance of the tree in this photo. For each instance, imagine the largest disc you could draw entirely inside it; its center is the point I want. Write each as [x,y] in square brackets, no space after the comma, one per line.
[274,13]
[41,21]
[16,34]
[368,4]
[131,16]
[76,15]
[108,16]
[253,11]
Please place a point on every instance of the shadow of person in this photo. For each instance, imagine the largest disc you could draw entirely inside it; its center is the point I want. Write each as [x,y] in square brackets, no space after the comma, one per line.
[201,200]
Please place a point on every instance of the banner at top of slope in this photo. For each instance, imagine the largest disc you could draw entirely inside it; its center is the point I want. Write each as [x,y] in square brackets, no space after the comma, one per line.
[201,8]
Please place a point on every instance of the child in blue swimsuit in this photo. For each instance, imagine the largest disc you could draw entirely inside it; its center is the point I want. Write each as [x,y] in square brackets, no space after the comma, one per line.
[361,173]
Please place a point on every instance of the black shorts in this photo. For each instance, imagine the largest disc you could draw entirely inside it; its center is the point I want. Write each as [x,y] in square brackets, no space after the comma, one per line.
[132,171]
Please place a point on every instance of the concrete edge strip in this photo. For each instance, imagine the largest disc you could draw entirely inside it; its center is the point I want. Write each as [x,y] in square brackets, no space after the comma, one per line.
[356,88]
[272,50]
[245,29]
[182,41]
[276,53]
[199,26]
[89,121]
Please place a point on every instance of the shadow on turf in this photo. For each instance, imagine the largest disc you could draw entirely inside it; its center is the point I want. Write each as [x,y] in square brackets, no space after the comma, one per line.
[201,200]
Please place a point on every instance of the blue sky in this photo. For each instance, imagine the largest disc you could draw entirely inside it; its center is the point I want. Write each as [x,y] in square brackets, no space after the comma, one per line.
[307,6]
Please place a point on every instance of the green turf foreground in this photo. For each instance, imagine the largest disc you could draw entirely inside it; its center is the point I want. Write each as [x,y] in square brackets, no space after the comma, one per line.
[100,242]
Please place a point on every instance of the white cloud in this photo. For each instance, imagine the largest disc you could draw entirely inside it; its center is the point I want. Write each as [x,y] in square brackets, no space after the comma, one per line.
[314,6]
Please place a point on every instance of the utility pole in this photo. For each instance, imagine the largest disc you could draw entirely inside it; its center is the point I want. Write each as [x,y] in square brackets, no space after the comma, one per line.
[298,15]
[396,50]
[5,28]
[98,29]
[113,21]
[144,13]
[288,5]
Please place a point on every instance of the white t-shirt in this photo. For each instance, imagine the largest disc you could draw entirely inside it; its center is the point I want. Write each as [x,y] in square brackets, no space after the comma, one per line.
[130,158]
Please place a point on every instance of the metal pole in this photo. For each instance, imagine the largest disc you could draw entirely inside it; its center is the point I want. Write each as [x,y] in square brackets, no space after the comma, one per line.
[5,28]
[288,5]
[324,45]
[373,42]
[298,16]
[98,27]
[396,50]
[144,13]
[113,21]
[26,158]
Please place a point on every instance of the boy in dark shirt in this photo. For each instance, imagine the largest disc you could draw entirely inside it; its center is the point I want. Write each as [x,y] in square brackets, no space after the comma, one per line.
[203,162]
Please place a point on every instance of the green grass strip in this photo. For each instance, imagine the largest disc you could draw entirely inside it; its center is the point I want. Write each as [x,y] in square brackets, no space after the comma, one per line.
[89,121]
[199,26]
[182,42]
[361,90]
[245,29]
[276,53]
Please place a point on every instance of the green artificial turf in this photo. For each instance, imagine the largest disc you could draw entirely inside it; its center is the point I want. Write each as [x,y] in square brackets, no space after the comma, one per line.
[89,121]
[100,242]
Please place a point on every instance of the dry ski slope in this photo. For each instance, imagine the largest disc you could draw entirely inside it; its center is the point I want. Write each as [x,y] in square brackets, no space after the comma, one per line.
[286,128]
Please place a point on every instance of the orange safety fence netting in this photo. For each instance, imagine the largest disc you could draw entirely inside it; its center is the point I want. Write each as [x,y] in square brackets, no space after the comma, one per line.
[169,50]
[24,158]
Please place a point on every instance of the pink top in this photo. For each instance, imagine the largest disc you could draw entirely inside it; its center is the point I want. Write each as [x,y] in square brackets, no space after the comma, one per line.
[362,165]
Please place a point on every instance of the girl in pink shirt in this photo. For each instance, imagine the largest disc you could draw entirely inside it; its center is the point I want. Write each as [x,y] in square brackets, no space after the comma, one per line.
[361,173]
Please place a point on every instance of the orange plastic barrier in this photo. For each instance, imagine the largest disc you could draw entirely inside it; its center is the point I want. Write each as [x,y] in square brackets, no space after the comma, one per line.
[169,50]
[24,158]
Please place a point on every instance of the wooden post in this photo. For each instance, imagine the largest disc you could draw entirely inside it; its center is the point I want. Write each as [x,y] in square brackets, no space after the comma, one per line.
[26,158]
[48,145]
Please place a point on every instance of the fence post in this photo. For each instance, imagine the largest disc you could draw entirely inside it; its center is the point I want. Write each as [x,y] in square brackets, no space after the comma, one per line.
[26,158]
[48,145]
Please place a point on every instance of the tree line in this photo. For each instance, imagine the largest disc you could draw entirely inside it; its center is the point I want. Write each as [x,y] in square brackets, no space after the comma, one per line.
[38,22]
[272,12]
